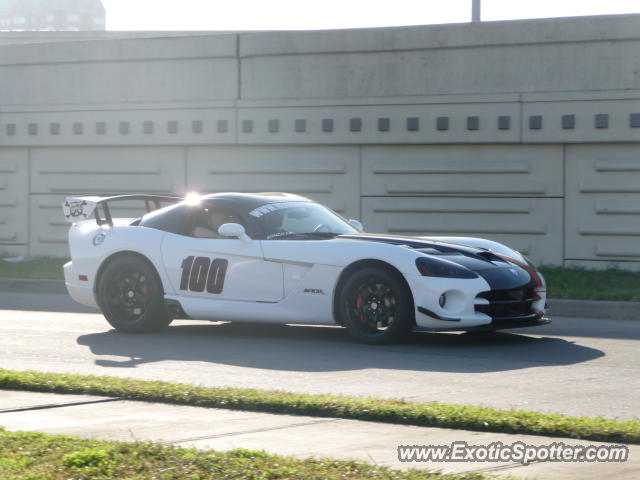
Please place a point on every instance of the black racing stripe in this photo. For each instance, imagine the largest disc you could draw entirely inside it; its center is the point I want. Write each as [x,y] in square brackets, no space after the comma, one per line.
[498,272]
[506,278]
[413,242]
[472,258]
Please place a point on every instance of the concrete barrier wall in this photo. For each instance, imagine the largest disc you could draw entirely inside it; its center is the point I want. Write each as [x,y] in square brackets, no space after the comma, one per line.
[31,37]
[523,132]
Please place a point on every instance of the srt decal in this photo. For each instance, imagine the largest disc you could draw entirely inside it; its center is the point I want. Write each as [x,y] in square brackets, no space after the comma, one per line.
[201,272]
[315,291]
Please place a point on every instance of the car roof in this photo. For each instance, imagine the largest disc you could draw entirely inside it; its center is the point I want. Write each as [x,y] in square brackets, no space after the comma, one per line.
[250,201]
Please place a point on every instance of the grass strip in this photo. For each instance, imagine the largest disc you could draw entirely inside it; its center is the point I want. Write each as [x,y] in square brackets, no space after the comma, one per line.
[42,268]
[583,284]
[433,414]
[38,456]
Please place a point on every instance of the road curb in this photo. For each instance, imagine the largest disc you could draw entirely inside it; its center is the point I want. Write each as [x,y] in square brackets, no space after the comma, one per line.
[28,285]
[564,307]
[560,307]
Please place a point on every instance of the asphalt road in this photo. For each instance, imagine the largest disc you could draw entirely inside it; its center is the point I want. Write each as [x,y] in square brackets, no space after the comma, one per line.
[574,366]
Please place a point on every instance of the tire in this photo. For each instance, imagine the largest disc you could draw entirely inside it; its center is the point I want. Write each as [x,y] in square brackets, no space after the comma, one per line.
[376,306]
[131,296]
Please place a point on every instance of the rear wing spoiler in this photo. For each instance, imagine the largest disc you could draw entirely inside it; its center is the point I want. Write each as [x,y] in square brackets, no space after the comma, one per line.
[81,208]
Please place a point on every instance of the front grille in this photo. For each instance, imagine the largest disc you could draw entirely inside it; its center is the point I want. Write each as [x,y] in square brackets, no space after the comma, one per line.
[507,304]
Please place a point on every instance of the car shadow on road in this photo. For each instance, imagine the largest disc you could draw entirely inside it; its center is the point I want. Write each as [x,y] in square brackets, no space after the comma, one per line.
[325,349]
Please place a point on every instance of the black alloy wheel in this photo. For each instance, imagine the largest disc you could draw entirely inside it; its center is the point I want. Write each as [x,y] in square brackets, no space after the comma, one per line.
[131,296]
[376,306]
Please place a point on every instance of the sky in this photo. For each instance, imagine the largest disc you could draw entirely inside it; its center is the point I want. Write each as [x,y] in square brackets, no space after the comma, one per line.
[329,14]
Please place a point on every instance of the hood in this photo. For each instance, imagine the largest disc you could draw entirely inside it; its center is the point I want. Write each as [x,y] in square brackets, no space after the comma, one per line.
[500,271]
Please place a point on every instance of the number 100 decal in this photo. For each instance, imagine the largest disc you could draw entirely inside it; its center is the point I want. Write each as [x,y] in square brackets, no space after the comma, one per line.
[201,272]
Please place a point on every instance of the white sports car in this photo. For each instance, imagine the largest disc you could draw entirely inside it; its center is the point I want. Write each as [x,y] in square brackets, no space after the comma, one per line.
[282,258]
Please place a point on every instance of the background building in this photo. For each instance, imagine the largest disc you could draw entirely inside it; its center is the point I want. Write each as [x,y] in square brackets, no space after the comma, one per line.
[69,15]
[527,132]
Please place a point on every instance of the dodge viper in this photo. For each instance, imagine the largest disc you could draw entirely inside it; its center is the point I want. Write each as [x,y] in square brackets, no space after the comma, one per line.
[282,258]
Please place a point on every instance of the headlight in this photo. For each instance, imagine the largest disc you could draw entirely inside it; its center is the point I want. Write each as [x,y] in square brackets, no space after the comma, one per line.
[436,267]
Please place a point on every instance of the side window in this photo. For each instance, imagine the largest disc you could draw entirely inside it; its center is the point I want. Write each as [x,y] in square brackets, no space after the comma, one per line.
[207,220]
[169,219]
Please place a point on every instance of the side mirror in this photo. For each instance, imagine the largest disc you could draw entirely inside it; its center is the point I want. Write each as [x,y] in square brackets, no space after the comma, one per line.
[233,230]
[356,224]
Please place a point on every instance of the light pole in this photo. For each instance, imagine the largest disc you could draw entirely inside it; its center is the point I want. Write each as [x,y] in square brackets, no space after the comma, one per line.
[475,10]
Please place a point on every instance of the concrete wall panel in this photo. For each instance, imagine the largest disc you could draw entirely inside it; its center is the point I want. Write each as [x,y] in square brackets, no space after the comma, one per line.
[107,170]
[48,228]
[119,82]
[603,203]
[525,171]
[326,174]
[530,225]
[14,200]
[492,69]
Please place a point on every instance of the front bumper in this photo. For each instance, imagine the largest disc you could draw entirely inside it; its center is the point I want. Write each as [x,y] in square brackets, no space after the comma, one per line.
[459,310]
[469,307]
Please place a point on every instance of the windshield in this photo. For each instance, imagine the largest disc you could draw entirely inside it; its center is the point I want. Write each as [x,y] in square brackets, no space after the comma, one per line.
[299,220]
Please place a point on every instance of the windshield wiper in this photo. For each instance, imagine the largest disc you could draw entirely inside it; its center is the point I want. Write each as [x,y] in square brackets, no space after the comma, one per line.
[303,235]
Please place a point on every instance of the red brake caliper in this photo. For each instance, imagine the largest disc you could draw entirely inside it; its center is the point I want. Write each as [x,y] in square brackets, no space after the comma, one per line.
[145,292]
[360,304]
